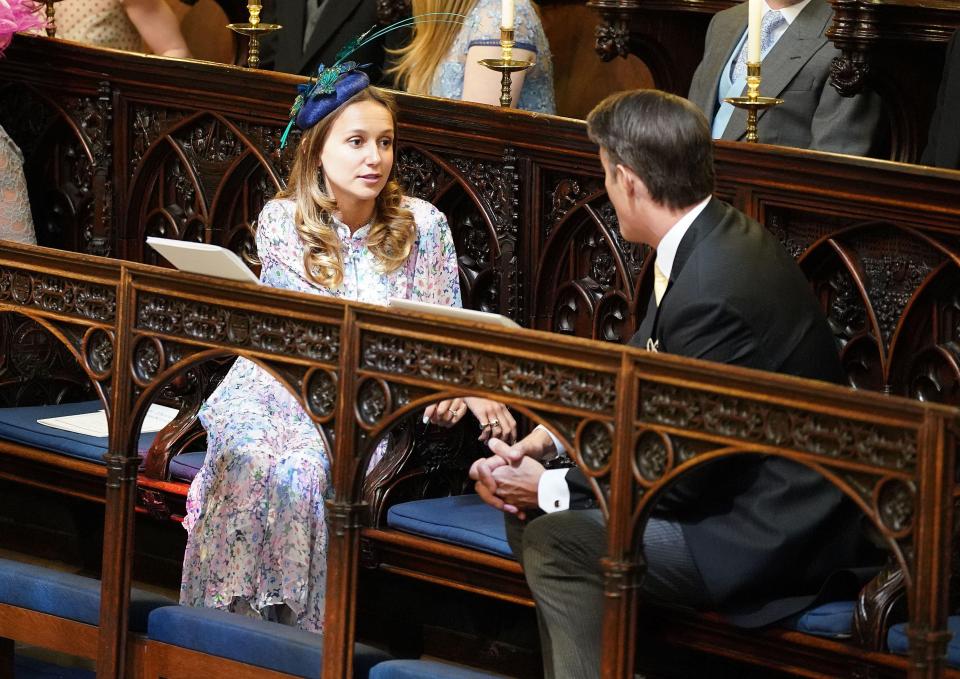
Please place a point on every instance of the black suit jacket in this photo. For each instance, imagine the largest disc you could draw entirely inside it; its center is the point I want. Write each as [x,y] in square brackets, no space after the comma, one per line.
[339,22]
[765,533]
[943,144]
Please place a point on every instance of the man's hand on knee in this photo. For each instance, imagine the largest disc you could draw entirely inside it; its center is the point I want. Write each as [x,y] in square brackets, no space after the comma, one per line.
[512,474]
[517,484]
[486,486]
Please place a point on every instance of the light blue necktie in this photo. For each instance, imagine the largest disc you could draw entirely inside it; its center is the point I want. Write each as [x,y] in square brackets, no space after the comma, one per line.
[737,72]
[771,21]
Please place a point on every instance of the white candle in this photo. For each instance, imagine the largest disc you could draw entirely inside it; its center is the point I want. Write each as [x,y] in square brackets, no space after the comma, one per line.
[506,14]
[753,31]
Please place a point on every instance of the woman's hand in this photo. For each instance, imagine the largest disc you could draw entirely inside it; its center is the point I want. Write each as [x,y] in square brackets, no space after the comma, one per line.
[494,417]
[445,413]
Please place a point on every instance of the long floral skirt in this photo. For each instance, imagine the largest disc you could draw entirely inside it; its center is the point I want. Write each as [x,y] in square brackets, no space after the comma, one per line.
[255,512]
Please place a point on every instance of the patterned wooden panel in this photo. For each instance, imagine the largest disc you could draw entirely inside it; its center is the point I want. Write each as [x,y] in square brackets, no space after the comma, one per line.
[197,177]
[890,294]
[65,142]
[589,281]
[536,237]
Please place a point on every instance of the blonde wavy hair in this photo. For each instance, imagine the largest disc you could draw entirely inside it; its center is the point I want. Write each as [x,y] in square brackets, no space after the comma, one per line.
[417,62]
[392,228]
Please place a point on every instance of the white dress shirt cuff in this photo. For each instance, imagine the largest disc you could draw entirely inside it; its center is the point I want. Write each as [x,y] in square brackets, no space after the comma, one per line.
[553,494]
[560,449]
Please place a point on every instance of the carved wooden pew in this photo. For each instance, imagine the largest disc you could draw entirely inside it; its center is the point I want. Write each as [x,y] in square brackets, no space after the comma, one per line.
[634,422]
[77,300]
[157,327]
[536,236]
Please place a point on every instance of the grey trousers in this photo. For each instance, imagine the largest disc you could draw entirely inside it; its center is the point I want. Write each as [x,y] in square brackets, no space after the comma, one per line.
[560,554]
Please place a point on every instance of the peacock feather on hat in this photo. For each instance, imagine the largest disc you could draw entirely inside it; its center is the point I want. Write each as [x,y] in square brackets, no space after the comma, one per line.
[334,85]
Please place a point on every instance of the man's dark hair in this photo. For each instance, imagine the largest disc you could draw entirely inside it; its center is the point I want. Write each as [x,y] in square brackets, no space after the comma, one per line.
[663,138]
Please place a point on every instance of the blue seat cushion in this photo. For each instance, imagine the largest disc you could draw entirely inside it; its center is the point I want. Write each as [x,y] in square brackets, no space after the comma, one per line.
[67,595]
[19,425]
[898,643]
[185,466]
[425,669]
[255,642]
[833,620]
[463,520]
[30,668]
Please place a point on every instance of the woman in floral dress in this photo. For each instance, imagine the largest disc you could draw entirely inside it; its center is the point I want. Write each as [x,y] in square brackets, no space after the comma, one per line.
[255,512]
[16,223]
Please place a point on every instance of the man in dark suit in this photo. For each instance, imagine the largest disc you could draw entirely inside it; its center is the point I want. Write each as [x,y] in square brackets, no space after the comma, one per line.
[315,30]
[795,58]
[943,145]
[756,538]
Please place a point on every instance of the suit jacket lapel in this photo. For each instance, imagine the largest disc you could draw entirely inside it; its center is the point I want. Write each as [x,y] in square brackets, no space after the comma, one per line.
[334,14]
[706,221]
[791,53]
[711,216]
[290,15]
[640,337]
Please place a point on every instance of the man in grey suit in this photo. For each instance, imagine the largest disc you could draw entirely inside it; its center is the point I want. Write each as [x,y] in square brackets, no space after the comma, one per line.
[796,58]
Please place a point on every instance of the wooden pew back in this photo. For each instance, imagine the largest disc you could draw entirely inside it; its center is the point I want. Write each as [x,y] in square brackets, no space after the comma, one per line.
[634,421]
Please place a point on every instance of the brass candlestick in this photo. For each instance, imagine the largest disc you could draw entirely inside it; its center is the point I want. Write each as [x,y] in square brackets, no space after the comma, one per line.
[506,65]
[253,29]
[51,18]
[753,102]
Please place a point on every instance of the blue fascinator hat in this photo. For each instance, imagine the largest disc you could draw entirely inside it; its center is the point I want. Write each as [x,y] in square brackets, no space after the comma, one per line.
[328,91]
[318,105]
[334,86]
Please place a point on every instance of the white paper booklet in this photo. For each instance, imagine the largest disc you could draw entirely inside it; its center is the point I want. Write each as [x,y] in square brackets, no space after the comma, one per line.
[452,312]
[95,423]
[203,258]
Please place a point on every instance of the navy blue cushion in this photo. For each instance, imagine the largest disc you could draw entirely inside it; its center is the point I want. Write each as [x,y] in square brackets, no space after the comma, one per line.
[832,620]
[897,640]
[463,520]
[425,669]
[251,641]
[67,595]
[185,466]
[19,425]
[31,668]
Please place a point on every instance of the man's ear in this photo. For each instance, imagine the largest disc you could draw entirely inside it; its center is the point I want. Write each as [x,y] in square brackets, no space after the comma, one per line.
[632,185]
[622,177]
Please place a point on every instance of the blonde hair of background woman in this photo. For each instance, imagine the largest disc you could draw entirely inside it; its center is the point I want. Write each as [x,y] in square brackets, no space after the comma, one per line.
[417,62]
[392,228]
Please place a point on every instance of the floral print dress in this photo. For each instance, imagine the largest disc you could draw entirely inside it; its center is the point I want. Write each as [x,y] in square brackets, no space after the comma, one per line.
[15,221]
[482,27]
[255,511]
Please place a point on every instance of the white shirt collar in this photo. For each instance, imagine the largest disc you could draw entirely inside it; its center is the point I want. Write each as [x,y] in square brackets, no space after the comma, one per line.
[789,13]
[667,248]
